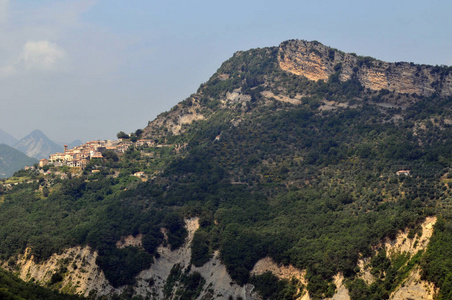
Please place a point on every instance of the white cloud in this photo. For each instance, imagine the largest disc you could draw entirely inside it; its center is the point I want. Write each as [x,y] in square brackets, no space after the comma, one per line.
[42,37]
[54,55]
[42,56]
[36,56]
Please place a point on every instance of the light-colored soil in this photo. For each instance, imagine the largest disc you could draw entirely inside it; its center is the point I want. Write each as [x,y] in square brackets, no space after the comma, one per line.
[341,289]
[403,244]
[82,275]
[414,288]
[364,274]
[214,272]
[236,96]
[282,98]
[130,240]
[332,105]
[282,272]
[161,268]
[218,279]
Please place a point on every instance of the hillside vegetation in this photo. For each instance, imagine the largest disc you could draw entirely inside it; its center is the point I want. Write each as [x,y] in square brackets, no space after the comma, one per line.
[12,288]
[275,165]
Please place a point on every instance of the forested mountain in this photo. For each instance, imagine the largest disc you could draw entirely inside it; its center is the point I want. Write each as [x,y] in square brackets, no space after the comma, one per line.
[301,156]
[12,160]
[37,145]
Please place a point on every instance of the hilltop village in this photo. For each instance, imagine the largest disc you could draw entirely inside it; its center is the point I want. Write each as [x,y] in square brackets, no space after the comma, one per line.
[95,152]
[81,155]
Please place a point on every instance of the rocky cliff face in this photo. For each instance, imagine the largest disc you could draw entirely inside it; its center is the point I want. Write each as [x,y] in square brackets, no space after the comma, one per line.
[318,62]
[81,275]
[174,121]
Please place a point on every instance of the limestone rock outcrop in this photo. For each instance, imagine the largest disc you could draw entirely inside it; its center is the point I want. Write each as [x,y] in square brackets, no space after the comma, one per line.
[318,62]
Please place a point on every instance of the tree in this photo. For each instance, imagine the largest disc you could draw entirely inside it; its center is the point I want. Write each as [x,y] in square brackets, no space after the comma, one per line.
[139,132]
[110,155]
[122,135]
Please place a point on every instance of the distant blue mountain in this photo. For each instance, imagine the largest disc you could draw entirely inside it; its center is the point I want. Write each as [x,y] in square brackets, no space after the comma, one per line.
[74,144]
[37,145]
[12,160]
[6,138]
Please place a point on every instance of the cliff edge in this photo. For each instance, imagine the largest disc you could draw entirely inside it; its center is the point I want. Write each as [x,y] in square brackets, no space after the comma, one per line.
[318,62]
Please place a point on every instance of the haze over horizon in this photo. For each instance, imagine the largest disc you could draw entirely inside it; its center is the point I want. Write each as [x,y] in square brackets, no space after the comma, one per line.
[88,69]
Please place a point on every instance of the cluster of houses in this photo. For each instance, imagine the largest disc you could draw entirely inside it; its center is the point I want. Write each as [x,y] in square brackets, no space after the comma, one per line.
[403,172]
[81,155]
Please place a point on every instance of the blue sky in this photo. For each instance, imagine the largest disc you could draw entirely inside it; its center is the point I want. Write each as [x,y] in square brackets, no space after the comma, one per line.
[88,69]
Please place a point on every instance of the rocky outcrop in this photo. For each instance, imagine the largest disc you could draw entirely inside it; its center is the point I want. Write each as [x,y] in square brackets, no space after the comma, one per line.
[282,272]
[412,287]
[402,243]
[318,62]
[269,95]
[74,271]
[415,288]
[230,88]
[341,289]
[218,283]
[288,272]
[175,120]
[79,274]
[130,240]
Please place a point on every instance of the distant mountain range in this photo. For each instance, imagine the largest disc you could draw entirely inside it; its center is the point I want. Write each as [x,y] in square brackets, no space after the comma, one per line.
[7,139]
[74,144]
[37,145]
[26,146]
[12,160]
[15,154]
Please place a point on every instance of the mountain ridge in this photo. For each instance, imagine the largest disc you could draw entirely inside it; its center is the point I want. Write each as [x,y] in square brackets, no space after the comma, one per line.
[319,62]
[12,160]
[6,138]
[37,145]
[324,176]
[310,60]
[74,144]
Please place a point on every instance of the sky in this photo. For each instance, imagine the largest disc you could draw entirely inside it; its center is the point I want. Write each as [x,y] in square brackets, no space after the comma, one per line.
[88,69]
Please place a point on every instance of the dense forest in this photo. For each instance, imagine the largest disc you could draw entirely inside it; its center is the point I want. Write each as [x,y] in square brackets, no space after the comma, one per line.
[312,184]
[12,288]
